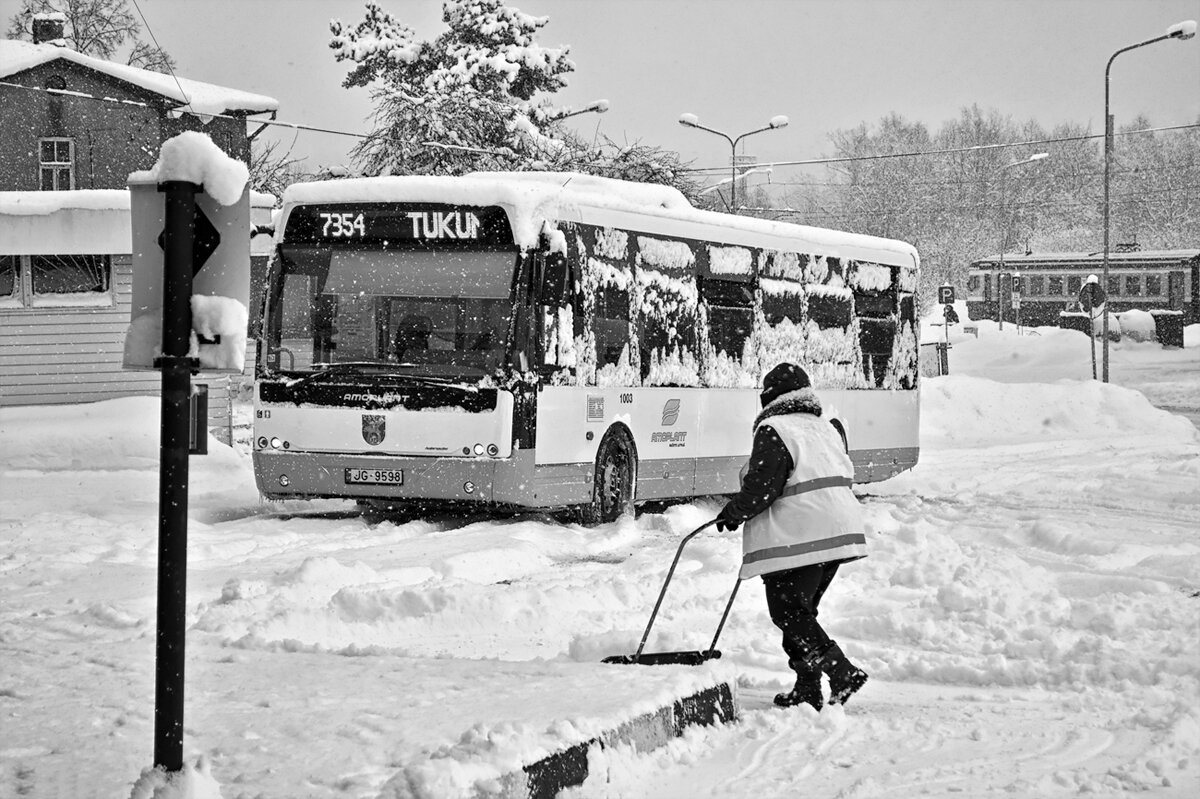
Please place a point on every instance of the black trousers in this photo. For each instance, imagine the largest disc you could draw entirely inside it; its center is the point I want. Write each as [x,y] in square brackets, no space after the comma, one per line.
[793,597]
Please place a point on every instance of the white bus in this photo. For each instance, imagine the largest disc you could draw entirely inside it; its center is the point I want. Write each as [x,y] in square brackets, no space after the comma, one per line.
[556,341]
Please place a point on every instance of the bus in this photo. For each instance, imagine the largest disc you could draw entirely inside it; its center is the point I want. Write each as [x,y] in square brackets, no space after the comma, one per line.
[561,342]
[1050,283]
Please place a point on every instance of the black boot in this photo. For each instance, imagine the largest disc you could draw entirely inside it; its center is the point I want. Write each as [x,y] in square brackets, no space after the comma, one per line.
[807,689]
[844,677]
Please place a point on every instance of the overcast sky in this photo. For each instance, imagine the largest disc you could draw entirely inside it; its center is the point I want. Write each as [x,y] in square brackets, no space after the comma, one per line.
[826,64]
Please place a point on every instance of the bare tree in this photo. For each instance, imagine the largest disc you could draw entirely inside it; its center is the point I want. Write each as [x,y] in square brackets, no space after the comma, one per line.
[99,28]
[272,171]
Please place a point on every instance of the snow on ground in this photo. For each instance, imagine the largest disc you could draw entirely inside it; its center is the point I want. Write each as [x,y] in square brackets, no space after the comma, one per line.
[1029,614]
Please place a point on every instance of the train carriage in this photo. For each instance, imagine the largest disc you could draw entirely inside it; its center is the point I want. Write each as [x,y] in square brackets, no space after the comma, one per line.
[1049,283]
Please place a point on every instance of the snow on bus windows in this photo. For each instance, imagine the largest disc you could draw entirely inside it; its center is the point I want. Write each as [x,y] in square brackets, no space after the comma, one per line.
[667,303]
[727,312]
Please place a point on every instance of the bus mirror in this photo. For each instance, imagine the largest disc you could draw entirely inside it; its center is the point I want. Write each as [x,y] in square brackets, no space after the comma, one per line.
[554,279]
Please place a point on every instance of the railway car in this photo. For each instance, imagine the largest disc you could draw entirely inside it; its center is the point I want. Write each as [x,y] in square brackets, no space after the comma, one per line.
[1039,286]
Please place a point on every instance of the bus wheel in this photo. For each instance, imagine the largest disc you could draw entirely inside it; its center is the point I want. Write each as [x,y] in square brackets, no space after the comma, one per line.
[612,491]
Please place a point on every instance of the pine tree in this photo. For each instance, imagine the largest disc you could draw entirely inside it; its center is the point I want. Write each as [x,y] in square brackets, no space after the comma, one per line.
[478,97]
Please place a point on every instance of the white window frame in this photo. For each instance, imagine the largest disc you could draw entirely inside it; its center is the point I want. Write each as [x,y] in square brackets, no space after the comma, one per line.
[55,166]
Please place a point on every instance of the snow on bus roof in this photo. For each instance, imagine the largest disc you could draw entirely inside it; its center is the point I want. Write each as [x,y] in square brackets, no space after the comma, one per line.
[534,196]
[199,98]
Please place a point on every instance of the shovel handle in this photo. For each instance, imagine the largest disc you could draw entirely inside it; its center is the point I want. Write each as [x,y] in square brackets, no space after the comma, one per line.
[666,582]
[728,605]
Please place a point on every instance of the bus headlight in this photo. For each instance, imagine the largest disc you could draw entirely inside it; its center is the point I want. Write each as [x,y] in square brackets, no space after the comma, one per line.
[284,481]
[493,450]
[479,449]
[276,443]
[262,442]
[469,487]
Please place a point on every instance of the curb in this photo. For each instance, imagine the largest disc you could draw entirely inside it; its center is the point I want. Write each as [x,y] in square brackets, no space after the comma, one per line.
[568,768]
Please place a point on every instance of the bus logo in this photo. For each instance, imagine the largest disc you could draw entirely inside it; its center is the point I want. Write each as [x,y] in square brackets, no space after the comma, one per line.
[670,413]
[374,428]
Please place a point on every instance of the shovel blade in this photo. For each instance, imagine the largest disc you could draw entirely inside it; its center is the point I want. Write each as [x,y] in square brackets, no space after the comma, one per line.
[690,658]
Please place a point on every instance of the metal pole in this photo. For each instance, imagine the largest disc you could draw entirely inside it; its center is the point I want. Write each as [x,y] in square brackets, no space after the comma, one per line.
[1108,148]
[733,176]
[1108,145]
[180,213]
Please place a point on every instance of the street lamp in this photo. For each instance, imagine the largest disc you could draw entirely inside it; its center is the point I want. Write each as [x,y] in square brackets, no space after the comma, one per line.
[596,106]
[1181,30]
[692,121]
[1004,228]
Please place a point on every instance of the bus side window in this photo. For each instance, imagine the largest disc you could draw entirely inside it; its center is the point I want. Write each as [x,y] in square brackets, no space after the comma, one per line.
[611,324]
[730,314]
[828,310]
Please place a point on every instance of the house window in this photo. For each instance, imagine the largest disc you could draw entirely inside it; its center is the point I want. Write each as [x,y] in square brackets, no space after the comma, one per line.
[1074,284]
[68,274]
[42,280]
[1114,285]
[1054,286]
[1037,285]
[1133,285]
[9,269]
[57,165]
[1153,286]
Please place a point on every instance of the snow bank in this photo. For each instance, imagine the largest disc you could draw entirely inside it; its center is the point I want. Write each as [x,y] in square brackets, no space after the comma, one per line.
[959,411]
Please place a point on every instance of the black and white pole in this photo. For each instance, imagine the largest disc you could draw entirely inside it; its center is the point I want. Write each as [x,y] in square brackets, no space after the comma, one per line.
[176,368]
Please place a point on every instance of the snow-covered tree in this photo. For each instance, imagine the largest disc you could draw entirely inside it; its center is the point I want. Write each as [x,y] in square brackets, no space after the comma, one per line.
[477,97]
[483,84]
[99,28]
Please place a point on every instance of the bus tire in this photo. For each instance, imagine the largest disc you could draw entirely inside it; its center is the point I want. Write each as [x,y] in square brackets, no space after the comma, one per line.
[614,479]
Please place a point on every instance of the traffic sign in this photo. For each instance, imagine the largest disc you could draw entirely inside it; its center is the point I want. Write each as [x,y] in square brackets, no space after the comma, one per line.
[945,294]
[1091,296]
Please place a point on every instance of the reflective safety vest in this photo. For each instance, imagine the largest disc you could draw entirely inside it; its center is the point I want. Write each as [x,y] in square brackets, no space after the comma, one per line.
[817,518]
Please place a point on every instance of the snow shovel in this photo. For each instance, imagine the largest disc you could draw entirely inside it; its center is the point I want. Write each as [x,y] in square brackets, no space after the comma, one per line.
[687,658]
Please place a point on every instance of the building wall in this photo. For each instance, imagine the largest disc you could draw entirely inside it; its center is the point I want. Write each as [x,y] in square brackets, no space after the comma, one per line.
[53,356]
[111,139]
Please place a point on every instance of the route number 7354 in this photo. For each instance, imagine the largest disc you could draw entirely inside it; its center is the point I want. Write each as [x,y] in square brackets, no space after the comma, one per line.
[343,226]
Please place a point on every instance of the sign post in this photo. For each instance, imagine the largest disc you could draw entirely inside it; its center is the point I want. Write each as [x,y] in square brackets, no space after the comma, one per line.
[1091,297]
[176,369]
[191,278]
[946,298]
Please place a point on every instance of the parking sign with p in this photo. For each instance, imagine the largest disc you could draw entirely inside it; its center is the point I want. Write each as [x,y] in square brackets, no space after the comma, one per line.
[945,294]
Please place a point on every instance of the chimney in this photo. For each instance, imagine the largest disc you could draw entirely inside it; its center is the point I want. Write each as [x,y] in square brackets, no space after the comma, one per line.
[48,28]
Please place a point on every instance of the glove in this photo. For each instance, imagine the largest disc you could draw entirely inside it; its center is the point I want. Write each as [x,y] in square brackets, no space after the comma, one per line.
[725,522]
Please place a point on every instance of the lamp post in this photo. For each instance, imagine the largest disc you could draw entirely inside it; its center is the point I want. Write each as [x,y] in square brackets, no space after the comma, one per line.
[691,121]
[1004,228]
[1181,30]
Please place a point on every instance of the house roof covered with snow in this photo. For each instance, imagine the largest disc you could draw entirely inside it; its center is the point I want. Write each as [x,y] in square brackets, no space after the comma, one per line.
[190,95]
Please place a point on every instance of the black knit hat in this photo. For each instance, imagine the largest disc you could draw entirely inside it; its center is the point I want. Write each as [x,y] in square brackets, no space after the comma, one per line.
[783,378]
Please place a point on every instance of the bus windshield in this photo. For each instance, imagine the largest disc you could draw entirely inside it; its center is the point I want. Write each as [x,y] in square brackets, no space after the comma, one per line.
[438,313]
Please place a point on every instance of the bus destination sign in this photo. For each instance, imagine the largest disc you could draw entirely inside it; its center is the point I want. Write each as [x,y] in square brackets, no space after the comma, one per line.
[383,223]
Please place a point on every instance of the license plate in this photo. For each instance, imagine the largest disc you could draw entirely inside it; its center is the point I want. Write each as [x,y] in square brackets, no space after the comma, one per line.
[381,477]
